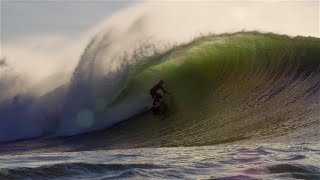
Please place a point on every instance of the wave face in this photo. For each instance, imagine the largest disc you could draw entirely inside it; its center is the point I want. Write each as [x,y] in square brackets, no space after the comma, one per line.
[224,88]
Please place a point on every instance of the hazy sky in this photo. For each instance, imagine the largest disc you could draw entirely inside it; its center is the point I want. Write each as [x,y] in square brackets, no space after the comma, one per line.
[21,18]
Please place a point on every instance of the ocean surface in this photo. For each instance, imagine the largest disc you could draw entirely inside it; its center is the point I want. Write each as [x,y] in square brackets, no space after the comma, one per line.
[228,161]
[243,105]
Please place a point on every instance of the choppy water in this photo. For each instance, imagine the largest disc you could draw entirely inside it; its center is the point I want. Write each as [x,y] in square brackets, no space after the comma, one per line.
[236,161]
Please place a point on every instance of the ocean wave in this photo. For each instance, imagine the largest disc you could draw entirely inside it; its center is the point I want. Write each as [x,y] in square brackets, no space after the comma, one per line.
[224,88]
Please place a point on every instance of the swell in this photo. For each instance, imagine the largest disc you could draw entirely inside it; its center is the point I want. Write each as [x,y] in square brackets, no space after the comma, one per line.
[246,86]
[225,88]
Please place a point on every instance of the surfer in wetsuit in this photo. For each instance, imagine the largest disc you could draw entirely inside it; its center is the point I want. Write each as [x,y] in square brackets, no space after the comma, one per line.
[154,92]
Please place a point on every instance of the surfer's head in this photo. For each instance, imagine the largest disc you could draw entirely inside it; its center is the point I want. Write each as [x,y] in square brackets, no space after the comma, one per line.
[161,82]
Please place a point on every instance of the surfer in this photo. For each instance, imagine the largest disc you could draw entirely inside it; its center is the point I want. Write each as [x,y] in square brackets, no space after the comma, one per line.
[156,96]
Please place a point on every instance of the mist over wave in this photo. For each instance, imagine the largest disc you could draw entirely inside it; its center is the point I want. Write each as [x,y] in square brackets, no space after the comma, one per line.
[90,96]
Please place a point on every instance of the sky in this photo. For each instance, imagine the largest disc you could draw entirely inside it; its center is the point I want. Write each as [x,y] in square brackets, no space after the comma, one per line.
[21,18]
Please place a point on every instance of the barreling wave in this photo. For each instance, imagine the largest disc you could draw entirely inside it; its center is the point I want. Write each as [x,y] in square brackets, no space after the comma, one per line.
[224,88]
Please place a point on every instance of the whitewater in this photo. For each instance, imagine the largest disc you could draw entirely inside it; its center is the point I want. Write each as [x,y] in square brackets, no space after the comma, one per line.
[245,101]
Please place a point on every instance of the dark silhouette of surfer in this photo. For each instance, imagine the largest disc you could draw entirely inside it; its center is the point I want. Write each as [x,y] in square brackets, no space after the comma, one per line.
[155,94]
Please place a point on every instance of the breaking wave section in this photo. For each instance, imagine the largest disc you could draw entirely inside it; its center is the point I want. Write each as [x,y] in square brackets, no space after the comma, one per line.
[235,85]
[224,88]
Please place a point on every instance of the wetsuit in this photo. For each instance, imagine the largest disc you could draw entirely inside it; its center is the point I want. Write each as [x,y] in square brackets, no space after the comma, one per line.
[154,92]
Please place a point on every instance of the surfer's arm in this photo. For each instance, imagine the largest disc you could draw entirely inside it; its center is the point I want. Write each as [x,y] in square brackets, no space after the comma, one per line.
[164,90]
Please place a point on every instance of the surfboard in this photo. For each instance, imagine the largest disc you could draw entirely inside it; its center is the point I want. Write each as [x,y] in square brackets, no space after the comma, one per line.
[159,109]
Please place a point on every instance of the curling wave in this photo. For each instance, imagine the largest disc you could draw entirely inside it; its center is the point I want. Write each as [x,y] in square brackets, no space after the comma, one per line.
[224,87]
